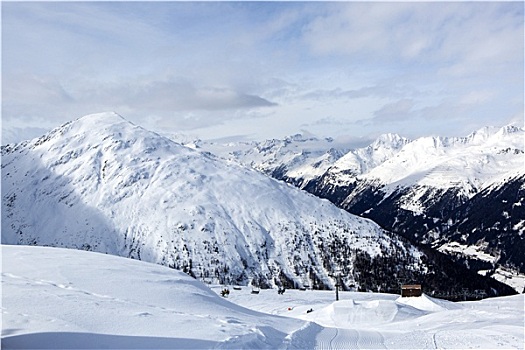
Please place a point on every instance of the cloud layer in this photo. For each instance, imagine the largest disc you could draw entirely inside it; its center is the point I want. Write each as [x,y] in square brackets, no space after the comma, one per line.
[265,69]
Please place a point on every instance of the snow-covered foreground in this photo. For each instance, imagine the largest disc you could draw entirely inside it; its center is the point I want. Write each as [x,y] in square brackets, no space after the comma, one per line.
[374,320]
[57,298]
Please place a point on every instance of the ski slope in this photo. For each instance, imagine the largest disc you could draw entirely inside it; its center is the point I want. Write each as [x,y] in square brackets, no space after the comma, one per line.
[54,298]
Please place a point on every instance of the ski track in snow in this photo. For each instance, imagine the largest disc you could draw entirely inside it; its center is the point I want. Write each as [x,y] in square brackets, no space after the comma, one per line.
[340,338]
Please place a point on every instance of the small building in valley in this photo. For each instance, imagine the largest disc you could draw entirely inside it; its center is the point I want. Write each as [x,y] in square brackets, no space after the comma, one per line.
[411,290]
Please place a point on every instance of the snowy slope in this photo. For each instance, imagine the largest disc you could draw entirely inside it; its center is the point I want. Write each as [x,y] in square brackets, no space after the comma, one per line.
[87,300]
[379,321]
[101,183]
[78,299]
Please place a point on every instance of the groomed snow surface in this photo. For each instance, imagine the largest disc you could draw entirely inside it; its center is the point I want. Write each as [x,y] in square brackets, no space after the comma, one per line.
[55,298]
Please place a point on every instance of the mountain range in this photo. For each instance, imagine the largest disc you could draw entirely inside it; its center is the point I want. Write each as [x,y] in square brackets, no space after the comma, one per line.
[463,196]
[102,183]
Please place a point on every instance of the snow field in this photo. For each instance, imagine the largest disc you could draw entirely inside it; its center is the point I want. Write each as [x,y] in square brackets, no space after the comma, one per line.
[56,298]
[377,321]
[50,295]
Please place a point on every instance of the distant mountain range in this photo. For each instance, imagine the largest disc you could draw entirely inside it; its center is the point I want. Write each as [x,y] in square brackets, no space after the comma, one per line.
[103,184]
[464,196]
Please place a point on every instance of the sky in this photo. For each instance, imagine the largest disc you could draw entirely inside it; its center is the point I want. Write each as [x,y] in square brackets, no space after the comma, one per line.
[260,70]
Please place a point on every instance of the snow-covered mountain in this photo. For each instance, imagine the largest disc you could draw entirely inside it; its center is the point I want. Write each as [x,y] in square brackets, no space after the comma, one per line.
[416,188]
[101,183]
[425,190]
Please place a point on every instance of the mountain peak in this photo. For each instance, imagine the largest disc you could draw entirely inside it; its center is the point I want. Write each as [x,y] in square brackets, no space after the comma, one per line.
[390,140]
[481,135]
[103,119]
[510,129]
[300,138]
[103,116]
[90,125]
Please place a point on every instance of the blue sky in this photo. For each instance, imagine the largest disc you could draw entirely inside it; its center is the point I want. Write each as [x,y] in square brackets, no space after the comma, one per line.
[257,70]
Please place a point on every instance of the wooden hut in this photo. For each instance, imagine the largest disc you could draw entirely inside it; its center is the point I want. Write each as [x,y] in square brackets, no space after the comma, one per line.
[411,290]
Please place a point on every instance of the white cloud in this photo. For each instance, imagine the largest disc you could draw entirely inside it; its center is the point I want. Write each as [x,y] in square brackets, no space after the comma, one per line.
[449,34]
[477,97]
[362,29]
[227,67]
[395,111]
[171,94]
